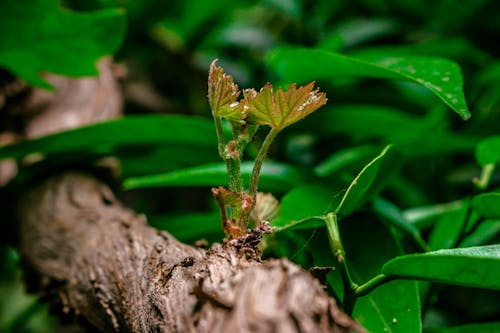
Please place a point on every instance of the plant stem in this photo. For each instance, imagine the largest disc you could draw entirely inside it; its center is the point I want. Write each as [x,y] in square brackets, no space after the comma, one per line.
[370,285]
[261,155]
[333,234]
[232,160]
[234,165]
[233,169]
[484,181]
[338,251]
[221,140]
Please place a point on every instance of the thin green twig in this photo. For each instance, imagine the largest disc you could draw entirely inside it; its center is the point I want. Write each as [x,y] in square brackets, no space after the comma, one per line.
[261,155]
[371,285]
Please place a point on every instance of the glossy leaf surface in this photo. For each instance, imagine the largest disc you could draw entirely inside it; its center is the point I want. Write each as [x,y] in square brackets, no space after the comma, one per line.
[304,207]
[393,307]
[487,205]
[487,151]
[66,42]
[443,77]
[274,176]
[129,131]
[369,181]
[472,267]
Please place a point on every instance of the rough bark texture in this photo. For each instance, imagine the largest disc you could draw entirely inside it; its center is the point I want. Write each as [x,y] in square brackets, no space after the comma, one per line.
[103,263]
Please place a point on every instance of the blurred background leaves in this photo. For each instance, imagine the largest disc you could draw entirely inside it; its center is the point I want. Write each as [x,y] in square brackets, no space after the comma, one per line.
[349,48]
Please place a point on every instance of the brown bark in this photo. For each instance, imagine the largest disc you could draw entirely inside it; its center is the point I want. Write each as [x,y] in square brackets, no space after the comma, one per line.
[103,263]
[97,260]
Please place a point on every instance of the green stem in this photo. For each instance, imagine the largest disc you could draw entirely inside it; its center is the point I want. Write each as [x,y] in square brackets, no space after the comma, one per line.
[261,155]
[371,285]
[234,165]
[338,251]
[232,162]
[484,181]
[221,140]
[333,234]
[234,171]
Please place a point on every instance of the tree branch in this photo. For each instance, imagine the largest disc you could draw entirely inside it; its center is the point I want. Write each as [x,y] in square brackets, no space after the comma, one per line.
[101,262]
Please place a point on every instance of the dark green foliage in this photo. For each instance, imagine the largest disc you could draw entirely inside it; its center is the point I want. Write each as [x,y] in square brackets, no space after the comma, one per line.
[40,36]
[414,187]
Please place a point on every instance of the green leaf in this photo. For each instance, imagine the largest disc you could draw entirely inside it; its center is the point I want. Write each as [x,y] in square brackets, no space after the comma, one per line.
[422,217]
[356,121]
[484,233]
[392,307]
[457,48]
[487,205]
[409,132]
[472,267]
[360,30]
[344,158]
[487,151]
[393,216]
[189,227]
[441,76]
[304,207]
[129,131]
[449,228]
[158,158]
[369,181]
[274,176]
[41,36]
[493,327]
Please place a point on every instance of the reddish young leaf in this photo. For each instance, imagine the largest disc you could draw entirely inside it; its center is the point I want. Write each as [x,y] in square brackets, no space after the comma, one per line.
[223,94]
[281,108]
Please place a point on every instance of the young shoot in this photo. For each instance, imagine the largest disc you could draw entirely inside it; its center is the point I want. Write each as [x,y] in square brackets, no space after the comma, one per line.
[247,110]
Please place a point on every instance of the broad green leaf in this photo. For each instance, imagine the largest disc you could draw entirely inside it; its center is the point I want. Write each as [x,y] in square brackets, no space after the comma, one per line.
[369,181]
[356,121]
[493,327]
[190,227]
[41,36]
[439,144]
[273,176]
[484,233]
[409,132]
[179,31]
[487,151]
[449,228]
[472,267]
[393,307]
[441,76]
[422,217]
[239,34]
[129,131]
[344,158]
[393,216]
[487,205]
[304,207]
[158,158]
[360,30]
[457,48]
